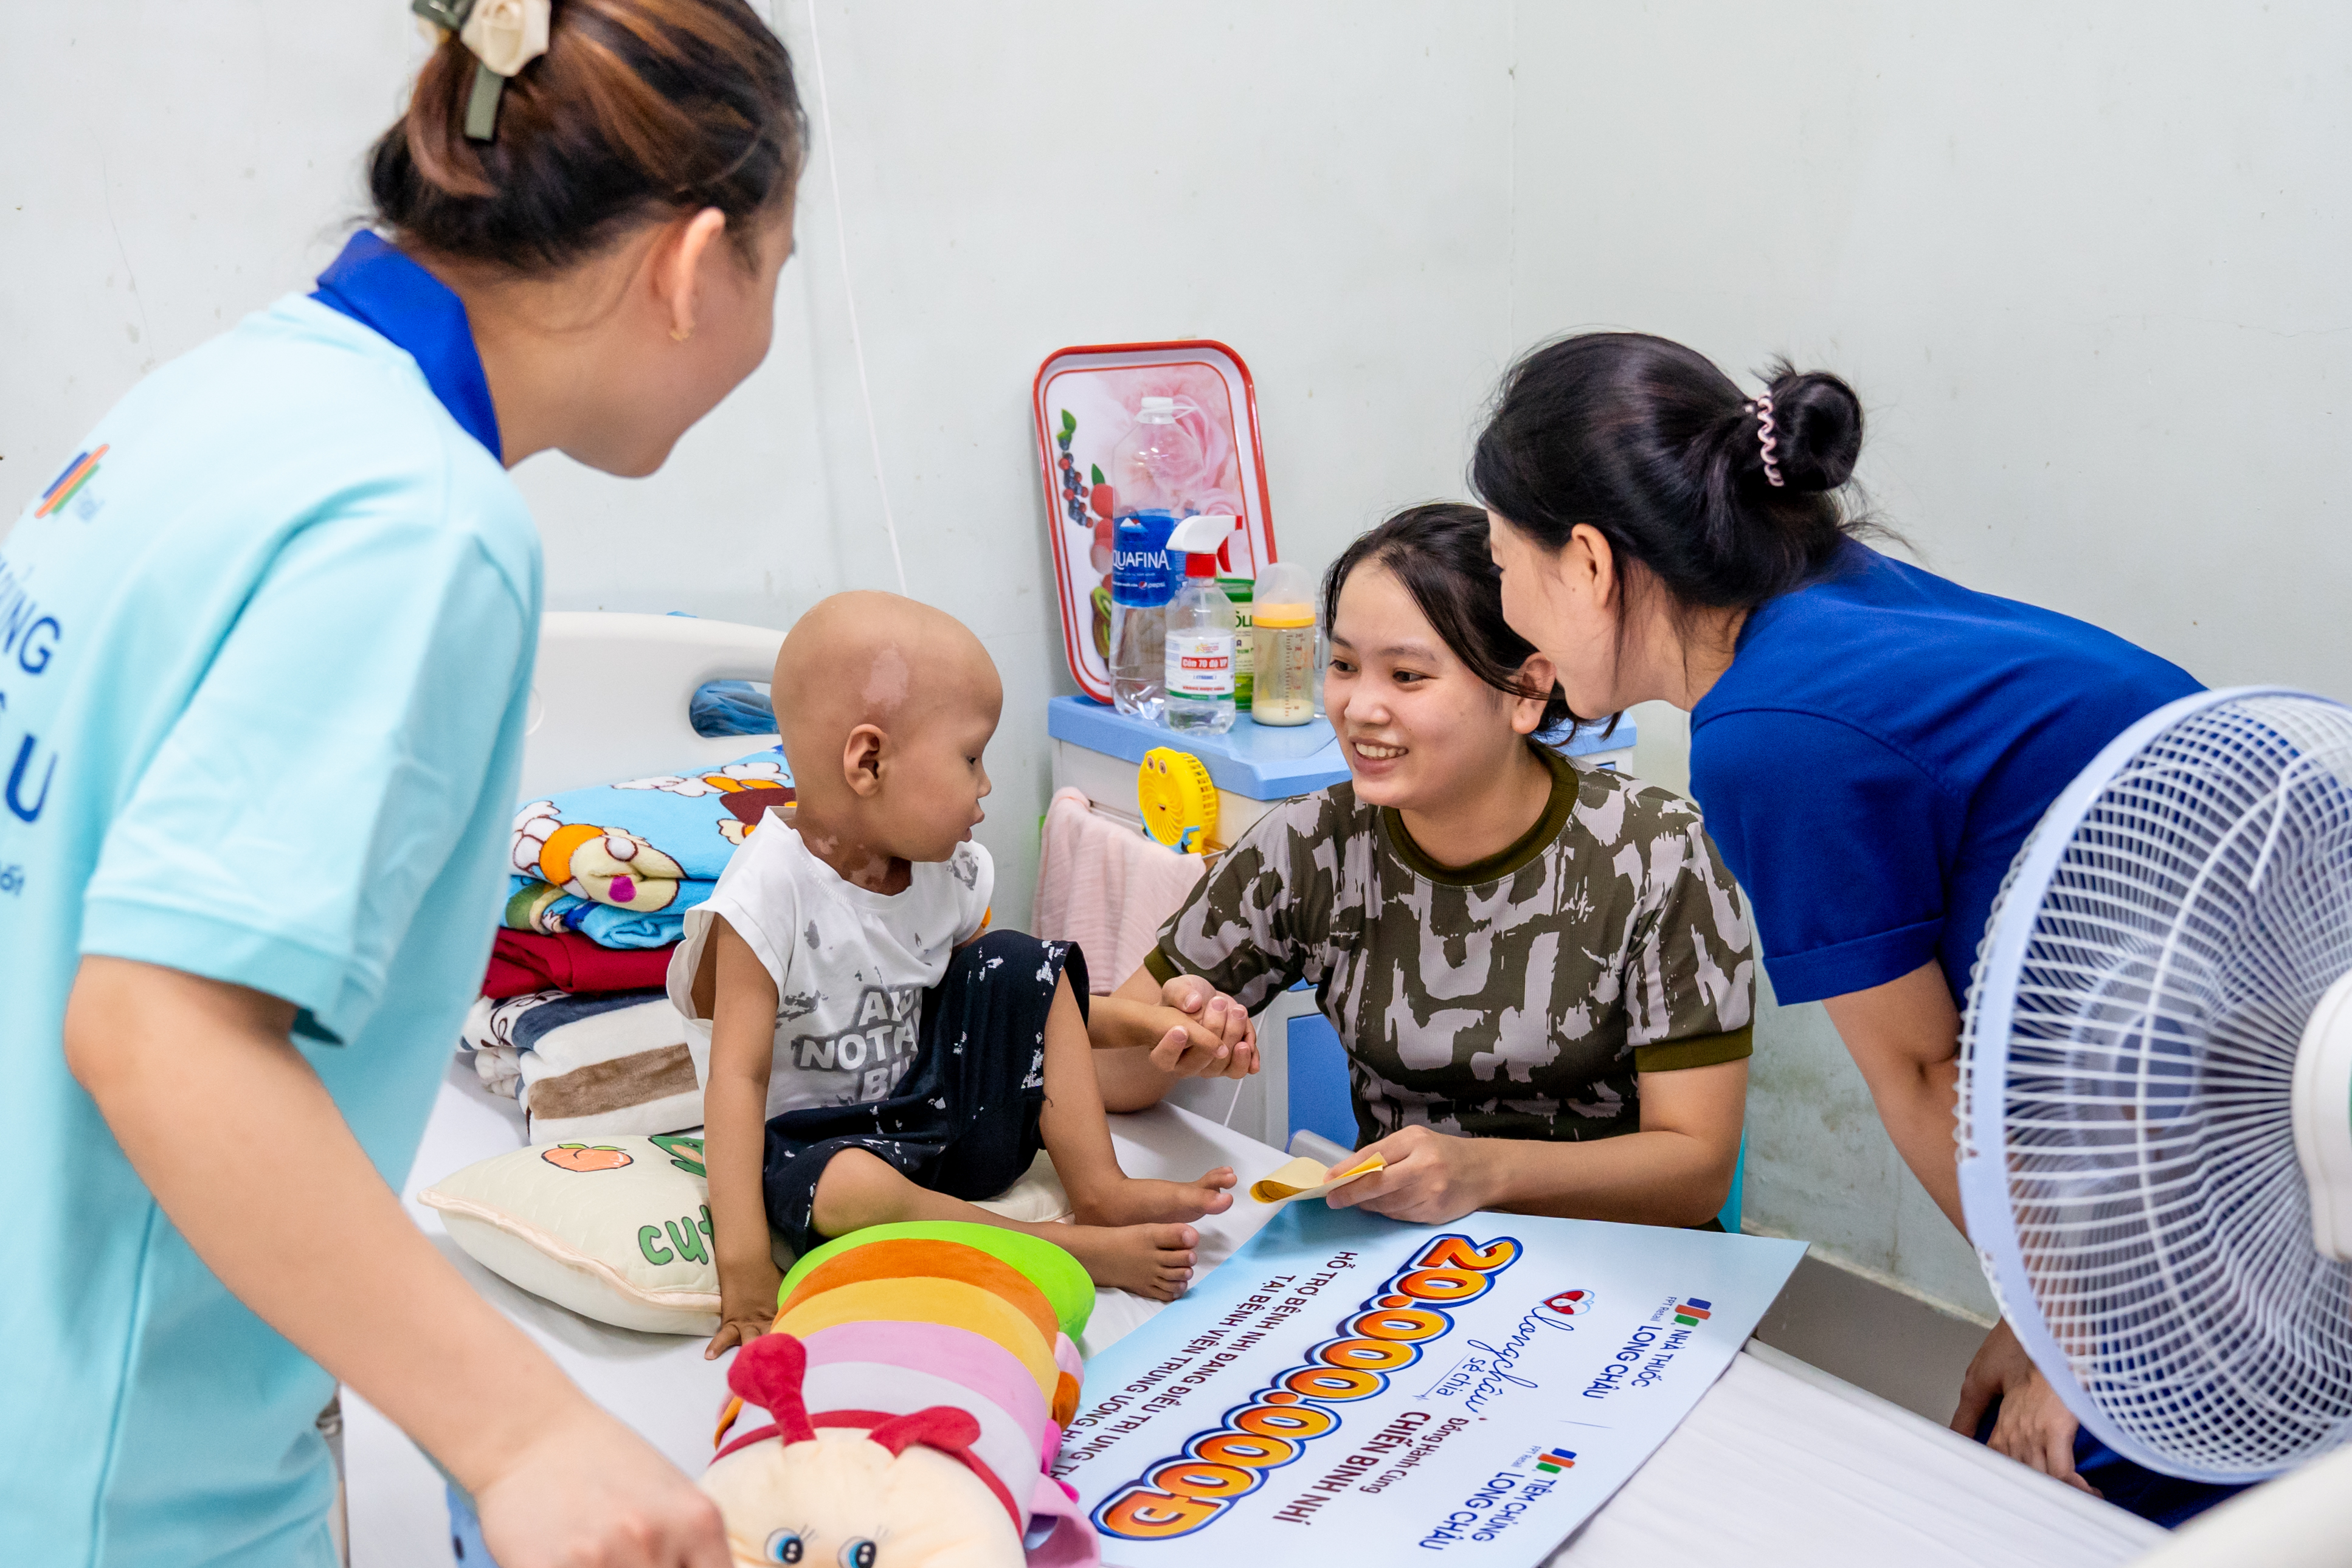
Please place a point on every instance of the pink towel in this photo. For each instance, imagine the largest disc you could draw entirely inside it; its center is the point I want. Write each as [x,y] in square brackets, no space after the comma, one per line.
[1106,887]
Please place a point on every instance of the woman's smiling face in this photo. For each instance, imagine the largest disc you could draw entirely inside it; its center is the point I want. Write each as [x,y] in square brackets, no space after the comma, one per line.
[1419,729]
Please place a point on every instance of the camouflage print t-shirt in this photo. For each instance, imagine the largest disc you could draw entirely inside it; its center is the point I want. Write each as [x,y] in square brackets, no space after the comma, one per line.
[1517,997]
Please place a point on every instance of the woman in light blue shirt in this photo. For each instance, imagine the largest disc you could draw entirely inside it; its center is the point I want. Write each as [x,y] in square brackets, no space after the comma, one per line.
[266,648]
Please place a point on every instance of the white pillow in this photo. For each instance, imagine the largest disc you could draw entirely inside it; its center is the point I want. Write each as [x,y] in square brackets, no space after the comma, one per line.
[619,1230]
[1037,1199]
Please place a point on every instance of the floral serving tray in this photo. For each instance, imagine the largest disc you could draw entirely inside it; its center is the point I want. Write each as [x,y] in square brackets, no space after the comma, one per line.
[1084,399]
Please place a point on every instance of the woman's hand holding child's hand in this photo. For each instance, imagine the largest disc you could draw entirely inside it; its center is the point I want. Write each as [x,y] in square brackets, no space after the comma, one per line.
[1213,1038]
[1431,1178]
[747,1303]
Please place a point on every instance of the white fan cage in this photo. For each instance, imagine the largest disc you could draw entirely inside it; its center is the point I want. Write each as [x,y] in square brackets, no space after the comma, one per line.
[2127,1155]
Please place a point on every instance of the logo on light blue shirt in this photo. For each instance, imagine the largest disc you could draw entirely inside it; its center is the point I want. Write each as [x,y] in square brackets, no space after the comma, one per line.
[68,484]
[28,641]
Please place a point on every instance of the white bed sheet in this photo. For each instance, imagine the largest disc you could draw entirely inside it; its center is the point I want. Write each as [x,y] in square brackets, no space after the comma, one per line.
[1780,1463]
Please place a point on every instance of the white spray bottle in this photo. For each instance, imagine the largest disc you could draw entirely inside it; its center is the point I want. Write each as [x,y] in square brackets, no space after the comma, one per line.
[1201,630]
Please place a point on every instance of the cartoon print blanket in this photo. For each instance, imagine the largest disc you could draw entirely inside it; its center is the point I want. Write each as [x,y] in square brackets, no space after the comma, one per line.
[535,905]
[620,863]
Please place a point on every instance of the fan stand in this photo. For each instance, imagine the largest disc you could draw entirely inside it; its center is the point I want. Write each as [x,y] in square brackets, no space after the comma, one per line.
[2295,1522]
[2323,1118]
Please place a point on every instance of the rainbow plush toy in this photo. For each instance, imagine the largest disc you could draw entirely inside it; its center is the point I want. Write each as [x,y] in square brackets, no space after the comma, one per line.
[917,1383]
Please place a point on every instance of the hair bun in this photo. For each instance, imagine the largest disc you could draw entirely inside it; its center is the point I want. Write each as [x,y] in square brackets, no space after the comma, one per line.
[1650,446]
[1818,422]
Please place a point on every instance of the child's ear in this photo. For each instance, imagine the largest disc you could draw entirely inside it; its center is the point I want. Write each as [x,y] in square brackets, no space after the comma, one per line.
[861,761]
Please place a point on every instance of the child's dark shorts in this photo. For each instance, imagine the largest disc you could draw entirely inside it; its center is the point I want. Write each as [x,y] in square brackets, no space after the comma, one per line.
[964,1119]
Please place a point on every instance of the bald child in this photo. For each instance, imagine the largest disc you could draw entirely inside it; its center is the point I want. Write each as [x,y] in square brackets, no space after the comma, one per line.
[870,1051]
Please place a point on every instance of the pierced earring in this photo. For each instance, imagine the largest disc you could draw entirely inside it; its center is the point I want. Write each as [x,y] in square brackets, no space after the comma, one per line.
[679,335]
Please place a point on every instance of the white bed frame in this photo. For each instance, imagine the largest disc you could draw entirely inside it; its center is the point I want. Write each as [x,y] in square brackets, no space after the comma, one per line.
[1779,1464]
[610,694]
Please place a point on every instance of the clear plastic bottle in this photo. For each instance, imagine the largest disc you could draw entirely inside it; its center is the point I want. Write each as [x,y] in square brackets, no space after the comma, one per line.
[1282,673]
[1141,585]
[1149,469]
[1201,631]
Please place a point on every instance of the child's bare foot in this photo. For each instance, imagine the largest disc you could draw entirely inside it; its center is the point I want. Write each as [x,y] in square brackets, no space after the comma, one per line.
[1128,1201]
[1153,1261]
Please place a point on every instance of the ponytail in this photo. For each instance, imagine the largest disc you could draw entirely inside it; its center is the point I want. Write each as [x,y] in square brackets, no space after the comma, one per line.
[638,109]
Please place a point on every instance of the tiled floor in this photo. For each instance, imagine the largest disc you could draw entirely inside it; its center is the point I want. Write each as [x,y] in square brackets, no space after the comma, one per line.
[1898,1347]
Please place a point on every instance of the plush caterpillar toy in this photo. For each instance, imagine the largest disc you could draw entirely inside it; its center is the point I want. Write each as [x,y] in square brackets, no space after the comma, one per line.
[917,1383]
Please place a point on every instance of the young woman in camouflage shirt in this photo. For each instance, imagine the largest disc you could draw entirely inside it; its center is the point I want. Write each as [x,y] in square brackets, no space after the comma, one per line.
[1540,973]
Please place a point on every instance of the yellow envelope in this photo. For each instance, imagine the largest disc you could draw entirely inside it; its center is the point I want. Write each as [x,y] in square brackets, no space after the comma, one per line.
[1303,1178]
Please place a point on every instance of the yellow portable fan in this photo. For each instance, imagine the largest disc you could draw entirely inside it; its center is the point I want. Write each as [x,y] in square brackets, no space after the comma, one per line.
[1178,798]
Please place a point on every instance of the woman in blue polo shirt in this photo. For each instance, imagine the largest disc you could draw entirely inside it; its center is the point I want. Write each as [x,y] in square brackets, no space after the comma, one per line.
[1870,743]
[267,647]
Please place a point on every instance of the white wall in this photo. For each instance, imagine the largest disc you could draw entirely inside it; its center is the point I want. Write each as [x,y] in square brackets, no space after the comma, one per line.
[2081,263]
[1017,178]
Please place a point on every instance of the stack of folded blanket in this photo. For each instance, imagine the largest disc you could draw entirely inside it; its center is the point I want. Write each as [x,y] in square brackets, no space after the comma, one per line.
[586,1065]
[524,961]
[622,864]
[572,1020]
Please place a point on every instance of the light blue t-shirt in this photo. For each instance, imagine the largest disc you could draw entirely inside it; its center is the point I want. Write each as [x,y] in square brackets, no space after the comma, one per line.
[265,658]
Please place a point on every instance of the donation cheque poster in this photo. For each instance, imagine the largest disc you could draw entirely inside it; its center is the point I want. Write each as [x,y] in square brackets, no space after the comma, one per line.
[1348,1389]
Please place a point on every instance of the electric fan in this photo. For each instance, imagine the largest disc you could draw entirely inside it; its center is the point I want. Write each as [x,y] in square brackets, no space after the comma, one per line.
[2156,1088]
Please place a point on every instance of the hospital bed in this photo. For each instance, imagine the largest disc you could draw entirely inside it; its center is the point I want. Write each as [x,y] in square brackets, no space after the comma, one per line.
[1779,1463]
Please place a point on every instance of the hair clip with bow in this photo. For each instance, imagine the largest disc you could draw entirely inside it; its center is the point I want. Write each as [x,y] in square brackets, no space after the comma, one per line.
[503,37]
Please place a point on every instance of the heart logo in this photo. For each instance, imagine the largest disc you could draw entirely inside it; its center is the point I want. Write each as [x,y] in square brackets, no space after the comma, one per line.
[1569,1303]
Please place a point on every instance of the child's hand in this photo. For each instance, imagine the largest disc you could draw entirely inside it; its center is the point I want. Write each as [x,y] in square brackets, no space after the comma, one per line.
[747,1304]
[1213,1035]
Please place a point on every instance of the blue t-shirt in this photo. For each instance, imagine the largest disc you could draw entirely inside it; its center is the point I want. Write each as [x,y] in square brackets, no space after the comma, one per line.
[265,661]
[1881,747]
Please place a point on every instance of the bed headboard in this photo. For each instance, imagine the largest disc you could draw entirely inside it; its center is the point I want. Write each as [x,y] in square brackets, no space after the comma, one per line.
[610,696]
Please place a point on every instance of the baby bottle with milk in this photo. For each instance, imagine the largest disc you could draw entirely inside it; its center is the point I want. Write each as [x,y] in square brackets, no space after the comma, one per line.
[1282,668]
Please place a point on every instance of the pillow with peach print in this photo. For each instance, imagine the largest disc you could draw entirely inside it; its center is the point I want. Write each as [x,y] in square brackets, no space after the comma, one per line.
[619,1229]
